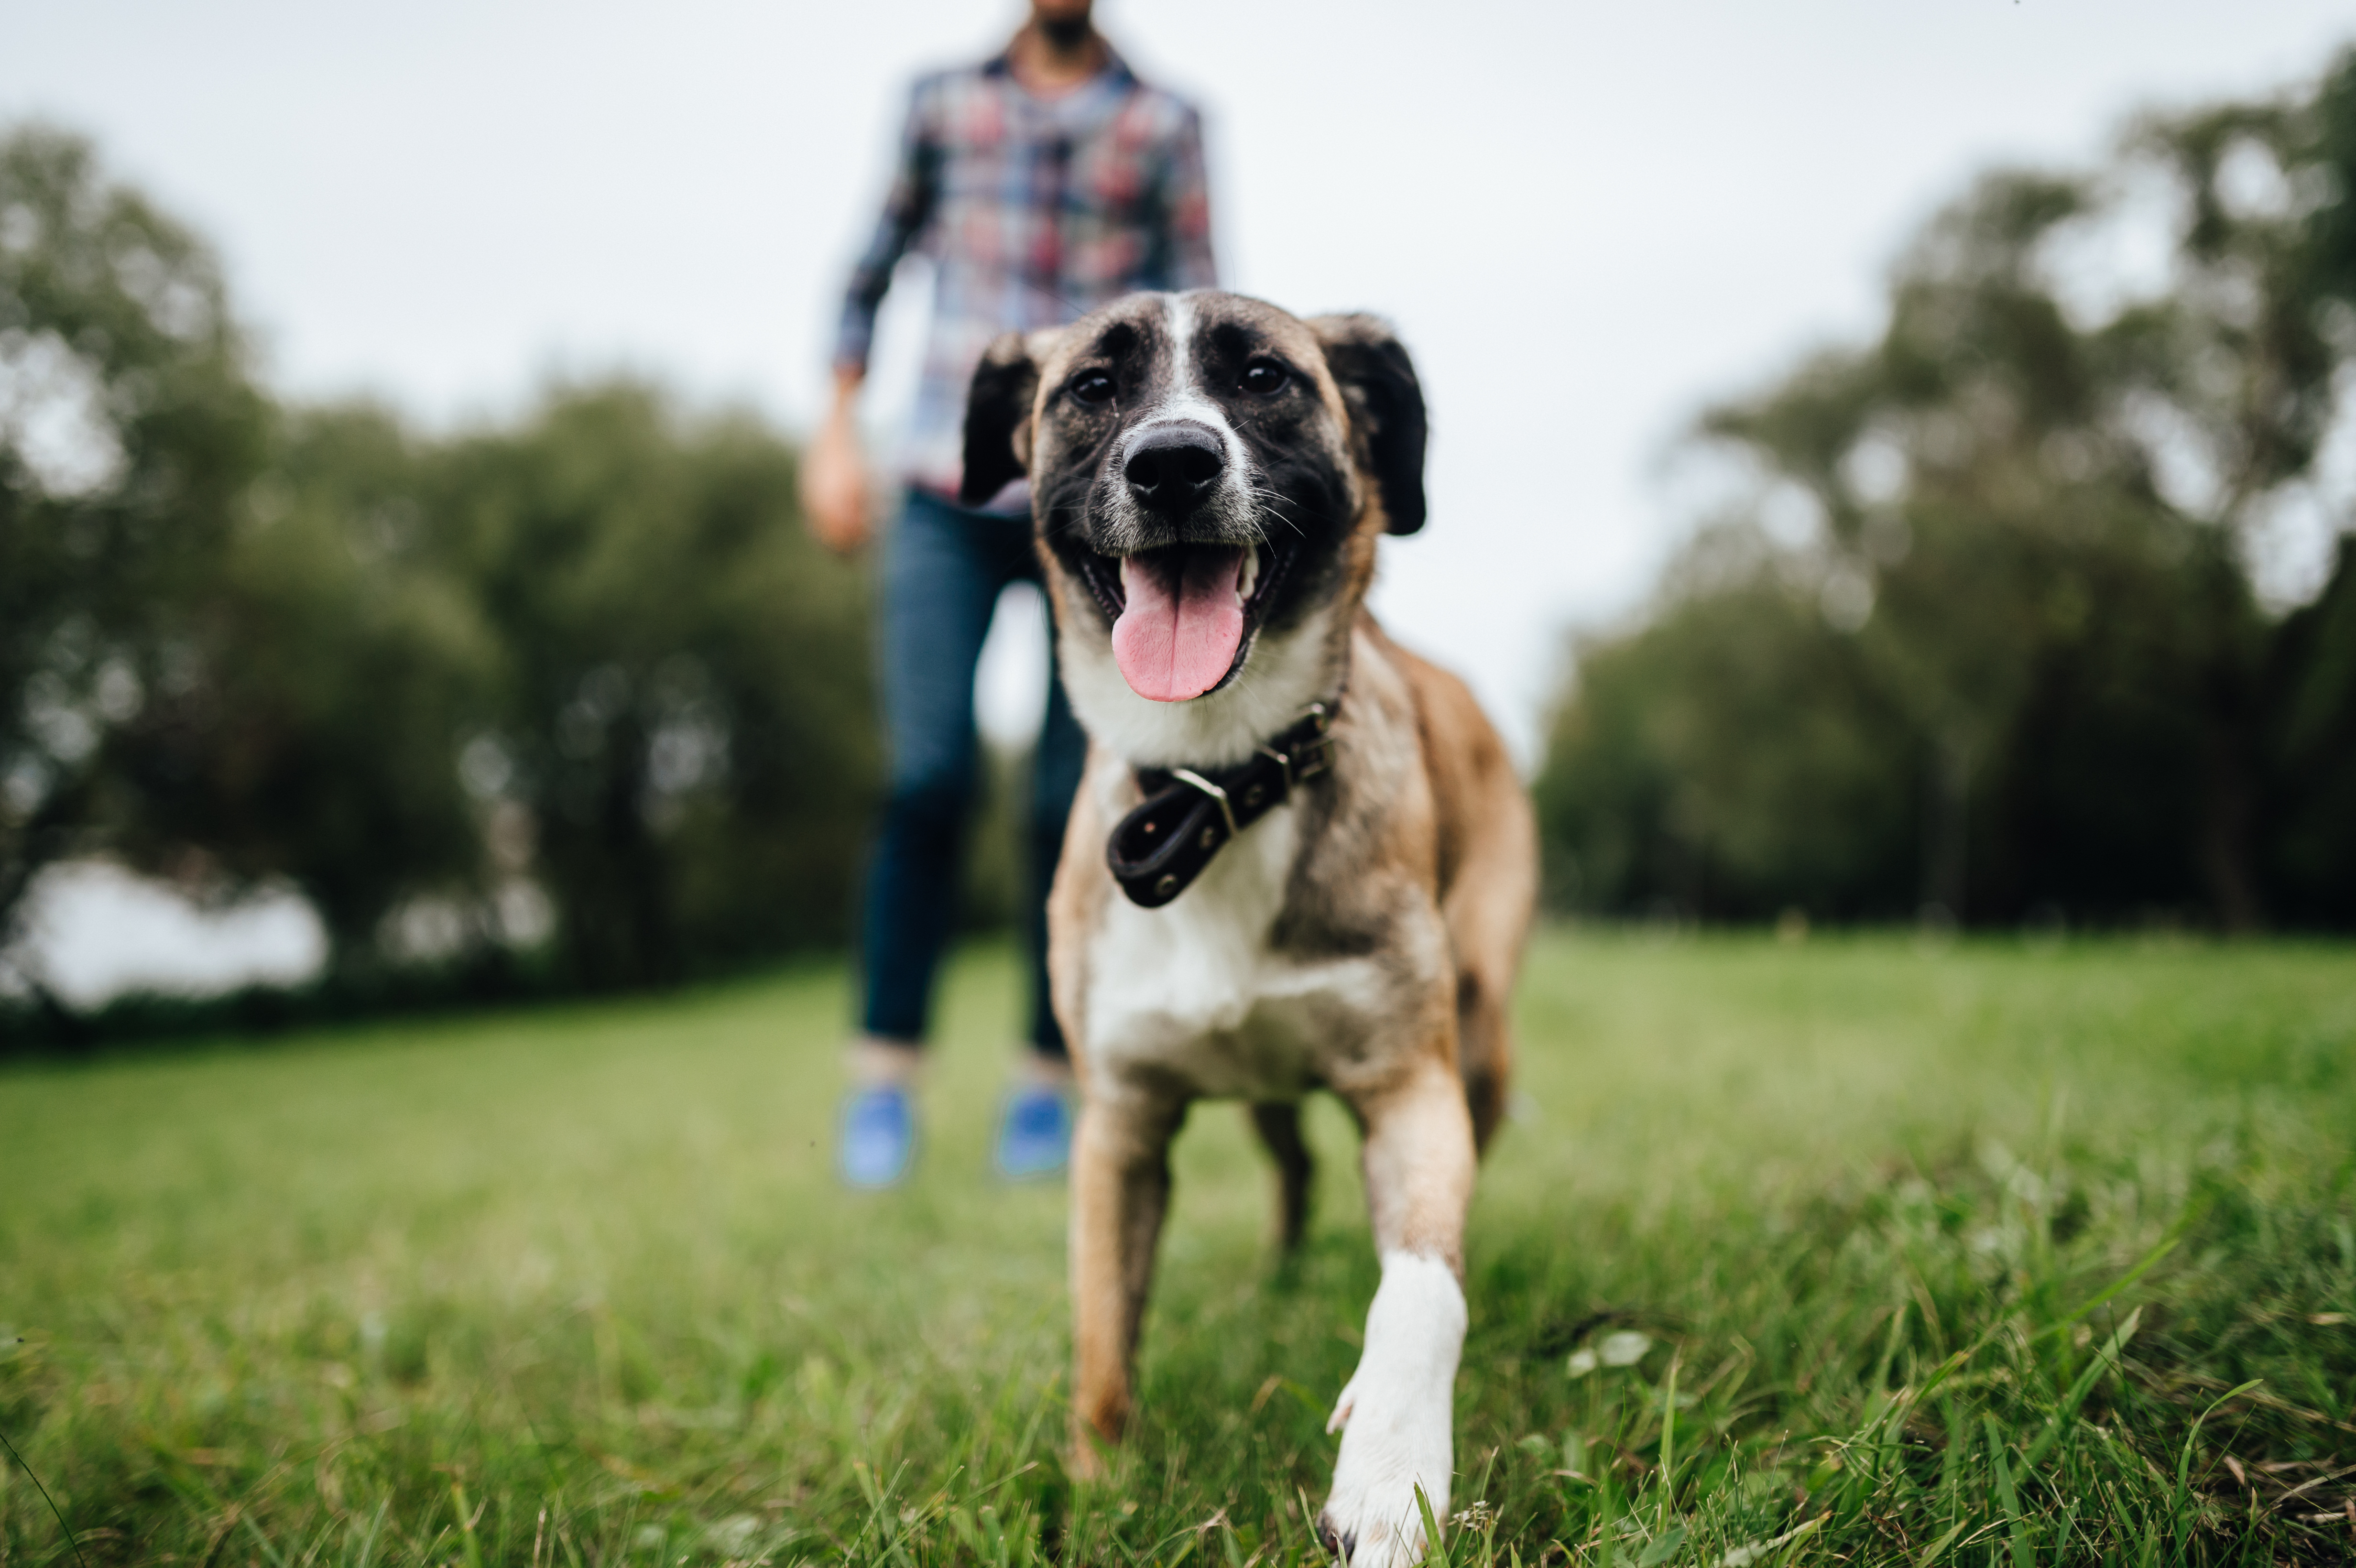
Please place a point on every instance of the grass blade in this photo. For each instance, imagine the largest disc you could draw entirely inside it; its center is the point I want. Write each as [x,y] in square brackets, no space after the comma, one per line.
[2106,1360]
[1669,1443]
[471,1547]
[2150,1261]
[1435,1552]
[2184,1460]
[2011,1501]
[376,1528]
[1930,1554]
[44,1490]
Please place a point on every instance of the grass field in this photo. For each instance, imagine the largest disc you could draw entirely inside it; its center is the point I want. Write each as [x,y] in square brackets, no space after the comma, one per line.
[1986,1254]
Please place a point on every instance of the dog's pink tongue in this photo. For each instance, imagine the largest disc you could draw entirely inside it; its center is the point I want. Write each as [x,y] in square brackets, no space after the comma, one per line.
[1184,619]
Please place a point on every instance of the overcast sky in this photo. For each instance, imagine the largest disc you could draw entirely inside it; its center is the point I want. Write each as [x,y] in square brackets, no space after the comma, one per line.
[1587,220]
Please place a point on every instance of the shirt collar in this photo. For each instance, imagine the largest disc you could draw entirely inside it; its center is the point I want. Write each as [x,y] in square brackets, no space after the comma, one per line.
[1115,73]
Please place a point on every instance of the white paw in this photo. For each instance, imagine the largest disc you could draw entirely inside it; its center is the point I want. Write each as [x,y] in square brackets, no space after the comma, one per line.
[1372,1517]
[1398,1413]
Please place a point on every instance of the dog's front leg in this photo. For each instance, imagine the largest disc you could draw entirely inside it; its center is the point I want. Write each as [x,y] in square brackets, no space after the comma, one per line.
[1397,1410]
[1121,1186]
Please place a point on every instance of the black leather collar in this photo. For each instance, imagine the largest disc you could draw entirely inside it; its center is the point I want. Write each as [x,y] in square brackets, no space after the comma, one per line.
[1161,847]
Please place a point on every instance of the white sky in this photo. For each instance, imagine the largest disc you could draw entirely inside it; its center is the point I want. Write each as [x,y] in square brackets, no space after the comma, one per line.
[1587,220]
[96,929]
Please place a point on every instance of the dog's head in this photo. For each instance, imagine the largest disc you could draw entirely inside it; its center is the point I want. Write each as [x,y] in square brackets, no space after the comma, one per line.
[1209,476]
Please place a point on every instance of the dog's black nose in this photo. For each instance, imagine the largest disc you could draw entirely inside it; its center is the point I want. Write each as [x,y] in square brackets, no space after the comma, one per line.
[1173,466]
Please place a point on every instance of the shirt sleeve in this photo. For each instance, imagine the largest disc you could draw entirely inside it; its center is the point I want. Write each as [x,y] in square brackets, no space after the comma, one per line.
[915,186]
[1186,209]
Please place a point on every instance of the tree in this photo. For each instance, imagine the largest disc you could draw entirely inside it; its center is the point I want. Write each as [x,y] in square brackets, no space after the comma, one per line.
[587,666]
[332,667]
[2310,721]
[2030,508]
[129,432]
[685,725]
[1729,759]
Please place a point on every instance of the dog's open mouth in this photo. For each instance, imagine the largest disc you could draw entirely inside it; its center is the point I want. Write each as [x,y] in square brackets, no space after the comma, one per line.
[1183,616]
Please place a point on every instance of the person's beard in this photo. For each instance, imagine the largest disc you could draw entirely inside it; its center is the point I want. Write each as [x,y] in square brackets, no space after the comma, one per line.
[1065,35]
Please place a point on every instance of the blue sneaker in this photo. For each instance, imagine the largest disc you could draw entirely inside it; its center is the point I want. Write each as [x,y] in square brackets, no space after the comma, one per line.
[879,1136]
[1034,1135]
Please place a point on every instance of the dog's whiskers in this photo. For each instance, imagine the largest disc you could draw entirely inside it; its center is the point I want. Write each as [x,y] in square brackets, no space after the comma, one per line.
[1273,502]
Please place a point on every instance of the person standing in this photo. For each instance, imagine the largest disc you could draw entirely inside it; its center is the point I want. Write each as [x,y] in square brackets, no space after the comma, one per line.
[1042,182]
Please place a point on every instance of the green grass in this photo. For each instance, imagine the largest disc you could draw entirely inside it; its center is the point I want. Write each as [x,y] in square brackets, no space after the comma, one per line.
[576,1285]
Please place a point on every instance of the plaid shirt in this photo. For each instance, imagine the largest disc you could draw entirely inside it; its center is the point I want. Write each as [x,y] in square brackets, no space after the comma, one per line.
[1035,211]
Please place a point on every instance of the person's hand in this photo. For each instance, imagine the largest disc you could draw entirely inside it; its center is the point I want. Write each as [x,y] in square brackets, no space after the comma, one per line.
[835,496]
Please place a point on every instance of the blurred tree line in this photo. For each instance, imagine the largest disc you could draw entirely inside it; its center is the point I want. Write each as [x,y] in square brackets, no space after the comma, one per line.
[1983,641]
[576,694]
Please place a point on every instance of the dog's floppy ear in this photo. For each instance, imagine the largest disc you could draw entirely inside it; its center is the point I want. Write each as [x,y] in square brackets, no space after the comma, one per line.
[1386,400]
[998,418]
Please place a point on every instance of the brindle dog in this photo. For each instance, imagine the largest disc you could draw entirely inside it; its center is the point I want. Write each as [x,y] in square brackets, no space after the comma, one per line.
[1210,479]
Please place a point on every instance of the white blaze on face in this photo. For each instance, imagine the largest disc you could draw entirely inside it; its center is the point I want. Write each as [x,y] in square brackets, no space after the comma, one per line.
[1398,1413]
[1180,315]
[1182,621]
[1184,399]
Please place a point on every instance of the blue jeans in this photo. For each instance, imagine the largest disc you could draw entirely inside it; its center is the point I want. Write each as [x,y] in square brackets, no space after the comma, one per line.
[943,572]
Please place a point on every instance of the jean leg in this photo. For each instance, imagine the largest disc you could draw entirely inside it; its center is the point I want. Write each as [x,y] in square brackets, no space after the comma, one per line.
[941,581]
[1056,768]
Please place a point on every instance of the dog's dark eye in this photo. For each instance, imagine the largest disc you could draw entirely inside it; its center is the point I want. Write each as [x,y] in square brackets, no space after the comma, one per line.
[1091,387]
[1262,376]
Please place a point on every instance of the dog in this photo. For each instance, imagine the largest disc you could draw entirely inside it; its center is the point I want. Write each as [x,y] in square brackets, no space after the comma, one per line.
[1300,857]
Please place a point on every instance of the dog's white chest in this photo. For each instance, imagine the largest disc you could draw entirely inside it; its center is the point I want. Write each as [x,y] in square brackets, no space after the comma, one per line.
[1193,988]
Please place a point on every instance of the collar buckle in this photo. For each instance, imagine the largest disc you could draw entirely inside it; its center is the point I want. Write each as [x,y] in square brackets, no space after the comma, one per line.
[1227,806]
[1161,846]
